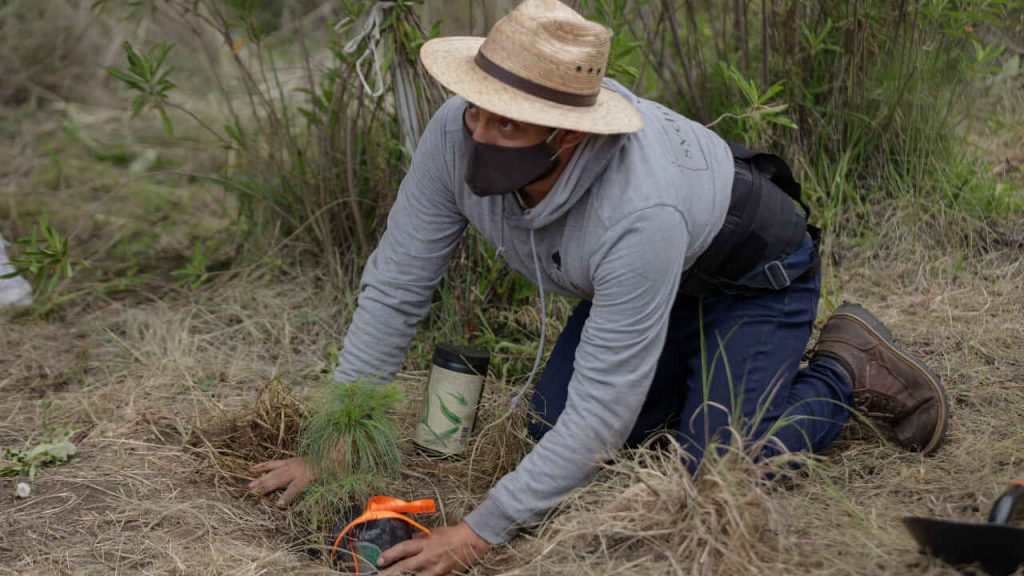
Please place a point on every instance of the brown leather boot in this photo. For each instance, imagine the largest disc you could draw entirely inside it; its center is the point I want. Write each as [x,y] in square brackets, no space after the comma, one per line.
[888,385]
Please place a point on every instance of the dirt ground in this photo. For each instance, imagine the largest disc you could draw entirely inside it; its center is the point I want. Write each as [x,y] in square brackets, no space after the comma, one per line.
[166,384]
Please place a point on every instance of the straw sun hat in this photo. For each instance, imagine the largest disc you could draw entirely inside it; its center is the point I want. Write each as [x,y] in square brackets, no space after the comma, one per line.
[542,64]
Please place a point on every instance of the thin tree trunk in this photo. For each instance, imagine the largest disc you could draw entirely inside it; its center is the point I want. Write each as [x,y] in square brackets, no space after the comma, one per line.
[764,42]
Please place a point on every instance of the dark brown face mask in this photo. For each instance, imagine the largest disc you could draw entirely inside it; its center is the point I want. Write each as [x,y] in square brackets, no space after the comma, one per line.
[495,170]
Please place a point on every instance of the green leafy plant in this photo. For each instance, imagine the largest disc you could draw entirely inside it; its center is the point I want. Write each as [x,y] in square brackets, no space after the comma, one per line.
[30,460]
[147,75]
[819,41]
[985,57]
[760,111]
[43,258]
[194,273]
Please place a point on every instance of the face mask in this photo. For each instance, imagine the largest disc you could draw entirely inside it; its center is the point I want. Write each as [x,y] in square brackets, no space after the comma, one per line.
[496,170]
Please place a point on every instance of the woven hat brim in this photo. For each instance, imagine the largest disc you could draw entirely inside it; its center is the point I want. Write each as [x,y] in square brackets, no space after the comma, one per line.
[450,61]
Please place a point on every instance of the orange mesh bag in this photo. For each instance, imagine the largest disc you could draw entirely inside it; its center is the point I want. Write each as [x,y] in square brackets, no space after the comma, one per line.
[382,524]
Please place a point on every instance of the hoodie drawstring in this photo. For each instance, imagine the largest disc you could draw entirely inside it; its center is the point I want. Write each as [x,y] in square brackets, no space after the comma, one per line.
[501,229]
[543,325]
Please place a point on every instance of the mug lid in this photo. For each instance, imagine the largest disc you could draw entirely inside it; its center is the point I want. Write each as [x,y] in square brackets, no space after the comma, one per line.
[476,359]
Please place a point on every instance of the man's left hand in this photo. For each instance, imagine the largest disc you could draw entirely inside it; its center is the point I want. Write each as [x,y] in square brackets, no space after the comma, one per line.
[436,554]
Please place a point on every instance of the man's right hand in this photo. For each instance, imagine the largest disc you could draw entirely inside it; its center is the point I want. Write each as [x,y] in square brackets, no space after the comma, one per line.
[292,474]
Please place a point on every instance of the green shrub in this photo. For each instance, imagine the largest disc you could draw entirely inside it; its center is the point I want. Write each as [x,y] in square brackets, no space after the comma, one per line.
[317,158]
[865,86]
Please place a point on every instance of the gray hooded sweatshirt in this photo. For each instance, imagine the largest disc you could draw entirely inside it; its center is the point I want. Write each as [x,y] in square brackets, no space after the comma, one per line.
[627,216]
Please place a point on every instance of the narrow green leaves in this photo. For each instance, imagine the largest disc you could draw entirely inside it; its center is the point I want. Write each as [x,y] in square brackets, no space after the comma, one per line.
[147,75]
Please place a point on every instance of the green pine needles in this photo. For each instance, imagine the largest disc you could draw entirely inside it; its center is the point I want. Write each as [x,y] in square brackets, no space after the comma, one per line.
[352,442]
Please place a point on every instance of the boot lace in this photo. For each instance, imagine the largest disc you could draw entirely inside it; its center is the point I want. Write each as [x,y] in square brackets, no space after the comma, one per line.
[878,406]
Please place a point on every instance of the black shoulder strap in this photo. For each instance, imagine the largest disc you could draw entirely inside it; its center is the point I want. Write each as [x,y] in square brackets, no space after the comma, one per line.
[775,169]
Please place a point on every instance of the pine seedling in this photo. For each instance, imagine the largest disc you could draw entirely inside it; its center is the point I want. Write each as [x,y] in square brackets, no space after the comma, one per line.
[352,442]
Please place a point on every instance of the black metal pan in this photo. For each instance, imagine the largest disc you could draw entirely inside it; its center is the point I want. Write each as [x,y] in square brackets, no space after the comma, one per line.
[995,545]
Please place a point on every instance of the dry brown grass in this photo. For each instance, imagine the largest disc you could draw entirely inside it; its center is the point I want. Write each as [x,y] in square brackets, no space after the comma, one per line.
[152,381]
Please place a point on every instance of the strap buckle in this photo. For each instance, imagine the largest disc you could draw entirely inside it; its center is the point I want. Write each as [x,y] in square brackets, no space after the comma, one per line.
[777,276]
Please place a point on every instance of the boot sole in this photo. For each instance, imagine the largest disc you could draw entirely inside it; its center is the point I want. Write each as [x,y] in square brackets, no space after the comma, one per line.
[866,319]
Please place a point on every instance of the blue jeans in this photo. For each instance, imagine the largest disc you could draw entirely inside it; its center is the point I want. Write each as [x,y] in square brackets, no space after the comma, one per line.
[748,377]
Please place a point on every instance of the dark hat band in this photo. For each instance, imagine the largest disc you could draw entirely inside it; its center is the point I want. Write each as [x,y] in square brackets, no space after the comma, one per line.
[531,87]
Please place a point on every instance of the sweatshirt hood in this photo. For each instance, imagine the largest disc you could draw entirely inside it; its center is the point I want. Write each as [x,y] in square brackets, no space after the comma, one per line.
[588,162]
